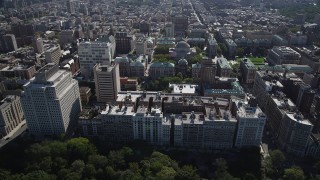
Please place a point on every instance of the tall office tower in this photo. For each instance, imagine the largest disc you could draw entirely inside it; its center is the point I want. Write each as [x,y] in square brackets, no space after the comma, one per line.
[53,55]
[93,52]
[305,95]
[71,6]
[212,47]
[169,29]
[11,114]
[181,24]
[65,37]
[84,9]
[37,45]
[107,82]
[208,71]
[51,101]
[8,43]
[124,42]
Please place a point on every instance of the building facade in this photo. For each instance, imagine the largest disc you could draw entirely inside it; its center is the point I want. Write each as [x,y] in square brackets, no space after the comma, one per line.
[51,101]
[93,52]
[107,82]
[11,114]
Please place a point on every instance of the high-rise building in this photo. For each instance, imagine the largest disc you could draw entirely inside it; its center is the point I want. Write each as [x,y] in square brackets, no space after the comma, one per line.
[107,82]
[93,52]
[208,71]
[11,114]
[180,25]
[305,97]
[124,42]
[8,43]
[37,45]
[53,55]
[65,37]
[71,6]
[51,101]
[169,30]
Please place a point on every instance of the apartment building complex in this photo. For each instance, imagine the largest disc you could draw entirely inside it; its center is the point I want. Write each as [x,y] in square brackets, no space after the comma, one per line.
[178,121]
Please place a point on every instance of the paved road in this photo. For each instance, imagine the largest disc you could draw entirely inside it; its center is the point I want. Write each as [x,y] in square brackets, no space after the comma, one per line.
[13,134]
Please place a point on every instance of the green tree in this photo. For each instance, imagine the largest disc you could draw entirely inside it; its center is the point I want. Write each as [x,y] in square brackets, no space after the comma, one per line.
[59,163]
[4,174]
[36,175]
[116,159]
[36,152]
[187,172]
[110,173]
[163,49]
[316,167]
[72,176]
[294,173]
[198,50]
[219,51]
[195,59]
[277,158]
[98,161]
[249,176]
[240,52]
[221,172]
[166,173]
[77,166]
[80,148]
[58,149]
[89,171]
[223,48]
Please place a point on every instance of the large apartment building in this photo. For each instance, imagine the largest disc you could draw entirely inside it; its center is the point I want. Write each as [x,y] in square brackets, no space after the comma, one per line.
[179,121]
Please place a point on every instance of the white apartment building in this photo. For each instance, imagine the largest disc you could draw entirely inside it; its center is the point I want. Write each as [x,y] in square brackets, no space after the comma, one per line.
[51,101]
[219,128]
[107,82]
[148,126]
[117,123]
[53,55]
[94,52]
[251,121]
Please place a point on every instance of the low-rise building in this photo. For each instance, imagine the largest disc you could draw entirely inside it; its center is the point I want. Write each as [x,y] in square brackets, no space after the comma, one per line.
[283,55]
[223,67]
[11,114]
[248,70]
[159,69]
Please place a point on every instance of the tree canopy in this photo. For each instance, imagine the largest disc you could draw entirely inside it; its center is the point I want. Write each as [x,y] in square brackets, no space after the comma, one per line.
[77,159]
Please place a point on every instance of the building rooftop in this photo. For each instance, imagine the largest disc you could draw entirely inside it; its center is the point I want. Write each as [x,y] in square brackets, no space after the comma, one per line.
[116,110]
[184,88]
[223,62]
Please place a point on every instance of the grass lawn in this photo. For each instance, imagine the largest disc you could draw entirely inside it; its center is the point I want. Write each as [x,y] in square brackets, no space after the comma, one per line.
[255,60]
